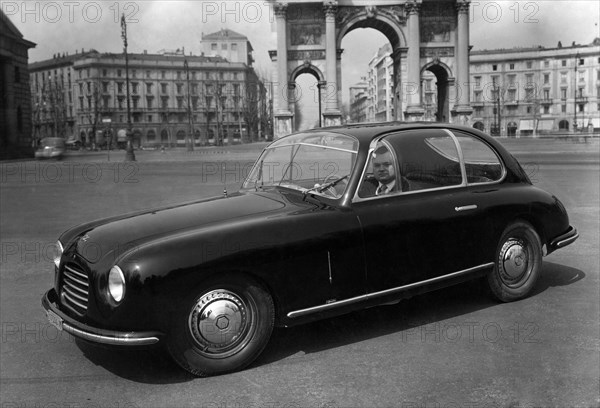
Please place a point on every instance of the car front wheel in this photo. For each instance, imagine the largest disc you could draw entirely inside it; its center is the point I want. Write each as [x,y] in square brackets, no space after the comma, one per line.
[223,328]
[518,263]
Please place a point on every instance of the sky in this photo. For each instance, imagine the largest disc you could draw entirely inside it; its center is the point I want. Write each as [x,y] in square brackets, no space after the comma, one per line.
[68,25]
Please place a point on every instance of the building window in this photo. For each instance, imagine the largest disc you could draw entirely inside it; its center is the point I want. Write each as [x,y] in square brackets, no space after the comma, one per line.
[581,61]
[164,88]
[511,66]
[477,81]
[213,46]
[546,94]
[163,74]
[581,107]
[135,102]
[234,47]
[119,87]
[134,87]
[180,103]
[17,74]
[105,87]
[494,67]
[179,88]
[178,74]
[104,72]
[563,93]
[223,46]
[564,63]
[529,109]
[164,102]
[546,78]
[546,109]
[133,73]
[529,64]
[563,108]
[563,77]
[118,72]
[149,102]
[148,74]
[546,64]
[149,87]
[150,118]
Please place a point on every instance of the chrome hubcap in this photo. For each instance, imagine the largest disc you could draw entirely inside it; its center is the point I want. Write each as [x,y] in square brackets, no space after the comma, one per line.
[514,262]
[220,323]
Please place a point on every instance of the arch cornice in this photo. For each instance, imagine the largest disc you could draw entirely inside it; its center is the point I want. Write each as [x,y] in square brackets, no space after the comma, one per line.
[393,18]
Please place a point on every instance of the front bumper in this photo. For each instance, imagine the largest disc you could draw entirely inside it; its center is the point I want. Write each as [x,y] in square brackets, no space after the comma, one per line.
[63,322]
[563,240]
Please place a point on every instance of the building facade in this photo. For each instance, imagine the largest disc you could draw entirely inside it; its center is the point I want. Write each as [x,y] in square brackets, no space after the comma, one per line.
[226,43]
[536,91]
[358,101]
[15,98]
[175,99]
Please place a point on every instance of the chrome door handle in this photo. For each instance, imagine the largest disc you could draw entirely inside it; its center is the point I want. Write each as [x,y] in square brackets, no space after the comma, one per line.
[465,208]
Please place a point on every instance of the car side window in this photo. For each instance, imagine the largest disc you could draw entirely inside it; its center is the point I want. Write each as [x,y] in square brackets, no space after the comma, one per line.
[427,158]
[482,164]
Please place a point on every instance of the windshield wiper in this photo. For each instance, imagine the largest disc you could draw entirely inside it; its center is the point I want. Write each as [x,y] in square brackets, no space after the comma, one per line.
[320,189]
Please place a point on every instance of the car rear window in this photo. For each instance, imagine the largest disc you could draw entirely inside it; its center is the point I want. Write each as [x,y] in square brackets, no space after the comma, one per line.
[482,164]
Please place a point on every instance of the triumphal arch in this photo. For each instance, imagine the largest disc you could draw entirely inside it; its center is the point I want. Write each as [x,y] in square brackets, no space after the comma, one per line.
[425,36]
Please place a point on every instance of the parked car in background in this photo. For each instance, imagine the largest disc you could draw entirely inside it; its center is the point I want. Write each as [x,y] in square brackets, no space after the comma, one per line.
[311,234]
[51,148]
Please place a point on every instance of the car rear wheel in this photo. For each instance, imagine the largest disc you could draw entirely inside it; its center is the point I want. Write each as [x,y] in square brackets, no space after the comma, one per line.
[518,263]
[223,328]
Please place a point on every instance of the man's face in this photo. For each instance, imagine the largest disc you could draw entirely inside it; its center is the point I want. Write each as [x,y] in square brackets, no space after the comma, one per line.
[383,168]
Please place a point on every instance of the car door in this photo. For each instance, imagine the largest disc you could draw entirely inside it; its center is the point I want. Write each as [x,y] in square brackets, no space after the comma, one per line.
[417,233]
[484,210]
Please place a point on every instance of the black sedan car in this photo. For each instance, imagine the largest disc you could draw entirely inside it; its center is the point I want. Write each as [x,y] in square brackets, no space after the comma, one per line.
[328,221]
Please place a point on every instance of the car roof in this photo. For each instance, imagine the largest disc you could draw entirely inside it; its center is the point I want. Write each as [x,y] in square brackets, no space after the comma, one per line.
[365,132]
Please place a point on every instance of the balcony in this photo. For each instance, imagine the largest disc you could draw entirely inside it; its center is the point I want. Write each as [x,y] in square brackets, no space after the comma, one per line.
[476,103]
[546,101]
[514,102]
[581,99]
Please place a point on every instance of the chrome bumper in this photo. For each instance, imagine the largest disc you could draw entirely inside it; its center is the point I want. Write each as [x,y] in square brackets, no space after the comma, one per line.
[63,322]
[564,239]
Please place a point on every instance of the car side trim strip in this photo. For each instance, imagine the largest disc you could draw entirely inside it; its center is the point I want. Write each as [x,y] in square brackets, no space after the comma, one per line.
[368,296]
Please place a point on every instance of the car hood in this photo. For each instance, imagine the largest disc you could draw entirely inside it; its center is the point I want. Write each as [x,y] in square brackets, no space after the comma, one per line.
[115,236]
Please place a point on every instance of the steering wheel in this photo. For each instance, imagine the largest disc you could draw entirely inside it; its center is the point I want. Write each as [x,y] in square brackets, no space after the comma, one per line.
[332,191]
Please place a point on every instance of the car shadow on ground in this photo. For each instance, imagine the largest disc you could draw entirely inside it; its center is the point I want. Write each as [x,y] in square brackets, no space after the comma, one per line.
[154,366]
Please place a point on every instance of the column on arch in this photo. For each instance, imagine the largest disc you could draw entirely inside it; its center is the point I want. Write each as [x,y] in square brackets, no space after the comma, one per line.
[413,88]
[462,57]
[331,102]
[280,97]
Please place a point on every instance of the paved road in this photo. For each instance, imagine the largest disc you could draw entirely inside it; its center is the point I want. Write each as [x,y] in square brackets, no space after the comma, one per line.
[452,348]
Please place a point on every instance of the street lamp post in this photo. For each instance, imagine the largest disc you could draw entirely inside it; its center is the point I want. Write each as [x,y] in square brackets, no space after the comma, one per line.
[190,139]
[575,92]
[129,155]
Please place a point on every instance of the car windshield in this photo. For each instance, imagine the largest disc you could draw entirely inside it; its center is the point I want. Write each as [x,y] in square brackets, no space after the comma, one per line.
[306,161]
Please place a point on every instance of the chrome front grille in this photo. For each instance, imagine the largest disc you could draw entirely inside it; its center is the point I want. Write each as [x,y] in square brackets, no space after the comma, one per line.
[75,286]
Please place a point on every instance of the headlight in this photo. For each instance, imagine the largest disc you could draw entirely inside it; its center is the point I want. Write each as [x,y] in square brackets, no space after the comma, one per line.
[116,284]
[58,251]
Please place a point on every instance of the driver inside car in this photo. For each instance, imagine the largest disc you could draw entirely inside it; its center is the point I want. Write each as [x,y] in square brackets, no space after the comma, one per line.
[384,178]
